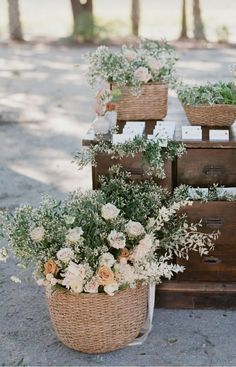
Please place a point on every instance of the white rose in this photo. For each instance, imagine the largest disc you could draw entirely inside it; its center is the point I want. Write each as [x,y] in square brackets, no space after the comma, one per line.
[116,239]
[73,235]
[37,234]
[107,259]
[142,74]
[76,269]
[130,55]
[76,285]
[153,63]
[111,288]
[124,273]
[65,254]
[3,254]
[134,229]
[143,249]
[110,211]
[147,242]
[92,286]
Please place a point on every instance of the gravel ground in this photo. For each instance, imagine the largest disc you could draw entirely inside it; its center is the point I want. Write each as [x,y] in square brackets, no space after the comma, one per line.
[45,109]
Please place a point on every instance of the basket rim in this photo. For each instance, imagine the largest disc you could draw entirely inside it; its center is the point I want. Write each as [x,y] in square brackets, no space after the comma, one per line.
[209,105]
[90,295]
[144,84]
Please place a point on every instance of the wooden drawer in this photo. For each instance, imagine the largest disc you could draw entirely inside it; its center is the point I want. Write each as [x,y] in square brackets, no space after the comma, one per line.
[220,264]
[203,167]
[134,165]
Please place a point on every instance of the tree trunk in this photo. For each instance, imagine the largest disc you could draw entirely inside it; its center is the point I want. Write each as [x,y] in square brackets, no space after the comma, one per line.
[15,29]
[184,31]
[82,11]
[198,31]
[135,17]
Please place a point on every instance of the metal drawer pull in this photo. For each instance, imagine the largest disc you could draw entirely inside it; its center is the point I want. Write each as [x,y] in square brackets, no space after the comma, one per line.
[135,171]
[213,222]
[211,260]
[214,170]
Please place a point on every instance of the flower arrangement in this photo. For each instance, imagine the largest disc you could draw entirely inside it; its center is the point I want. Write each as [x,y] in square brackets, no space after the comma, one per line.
[155,152]
[210,94]
[149,62]
[95,242]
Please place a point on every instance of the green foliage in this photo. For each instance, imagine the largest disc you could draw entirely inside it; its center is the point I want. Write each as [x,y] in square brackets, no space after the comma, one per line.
[138,202]
[156,59]
[152,152]
[218,93]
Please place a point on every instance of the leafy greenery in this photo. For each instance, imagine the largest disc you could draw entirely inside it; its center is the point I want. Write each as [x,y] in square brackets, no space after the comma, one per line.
[153,152]
[155,61]
[214,193]
[210,94]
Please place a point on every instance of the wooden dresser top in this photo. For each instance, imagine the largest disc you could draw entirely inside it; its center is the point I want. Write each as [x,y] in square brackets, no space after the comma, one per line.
[205,143]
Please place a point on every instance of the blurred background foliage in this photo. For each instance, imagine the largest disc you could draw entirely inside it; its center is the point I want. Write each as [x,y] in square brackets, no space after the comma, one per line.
[106,20]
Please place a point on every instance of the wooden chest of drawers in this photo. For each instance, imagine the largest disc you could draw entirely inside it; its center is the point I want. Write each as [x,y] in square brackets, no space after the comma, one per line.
[208,282]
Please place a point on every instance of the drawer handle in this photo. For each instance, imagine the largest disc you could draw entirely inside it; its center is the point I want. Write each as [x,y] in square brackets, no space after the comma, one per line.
[135,171]
[211,260]
[213,222]
[214,170]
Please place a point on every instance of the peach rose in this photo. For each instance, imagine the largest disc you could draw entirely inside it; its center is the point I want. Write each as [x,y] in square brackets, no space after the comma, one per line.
[105,275]
[124,252]
[50,267]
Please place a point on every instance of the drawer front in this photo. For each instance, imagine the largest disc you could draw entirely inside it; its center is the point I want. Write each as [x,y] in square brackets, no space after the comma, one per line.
[134,165]
[219,264]
[203,167]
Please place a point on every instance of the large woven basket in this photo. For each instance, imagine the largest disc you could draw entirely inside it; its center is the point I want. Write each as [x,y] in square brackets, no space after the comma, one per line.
[215,115]
[151,104]
[98,323]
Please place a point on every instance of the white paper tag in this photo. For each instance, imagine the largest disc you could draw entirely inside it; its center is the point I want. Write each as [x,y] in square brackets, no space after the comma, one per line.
[191,133]
[193,192]
[122,138]
[226,190]
[218,135]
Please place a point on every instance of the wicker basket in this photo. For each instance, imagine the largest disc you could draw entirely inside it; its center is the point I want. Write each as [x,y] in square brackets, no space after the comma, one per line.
[98,323]
[215,115]
[151,104]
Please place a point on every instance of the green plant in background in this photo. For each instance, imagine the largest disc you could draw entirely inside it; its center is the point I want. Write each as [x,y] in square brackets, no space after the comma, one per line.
[209,94]
[222,33]
[153,152]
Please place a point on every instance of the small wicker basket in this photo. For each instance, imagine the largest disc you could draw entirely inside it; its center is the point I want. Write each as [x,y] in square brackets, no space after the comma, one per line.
[98,323]
[151,104]
[215,115]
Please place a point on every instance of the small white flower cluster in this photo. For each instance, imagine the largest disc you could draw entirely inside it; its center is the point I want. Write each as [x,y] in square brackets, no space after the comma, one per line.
[150,62]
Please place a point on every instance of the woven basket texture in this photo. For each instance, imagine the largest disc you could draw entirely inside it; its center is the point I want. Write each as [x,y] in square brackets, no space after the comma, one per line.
[215,115]
[151,104]
[98,323]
